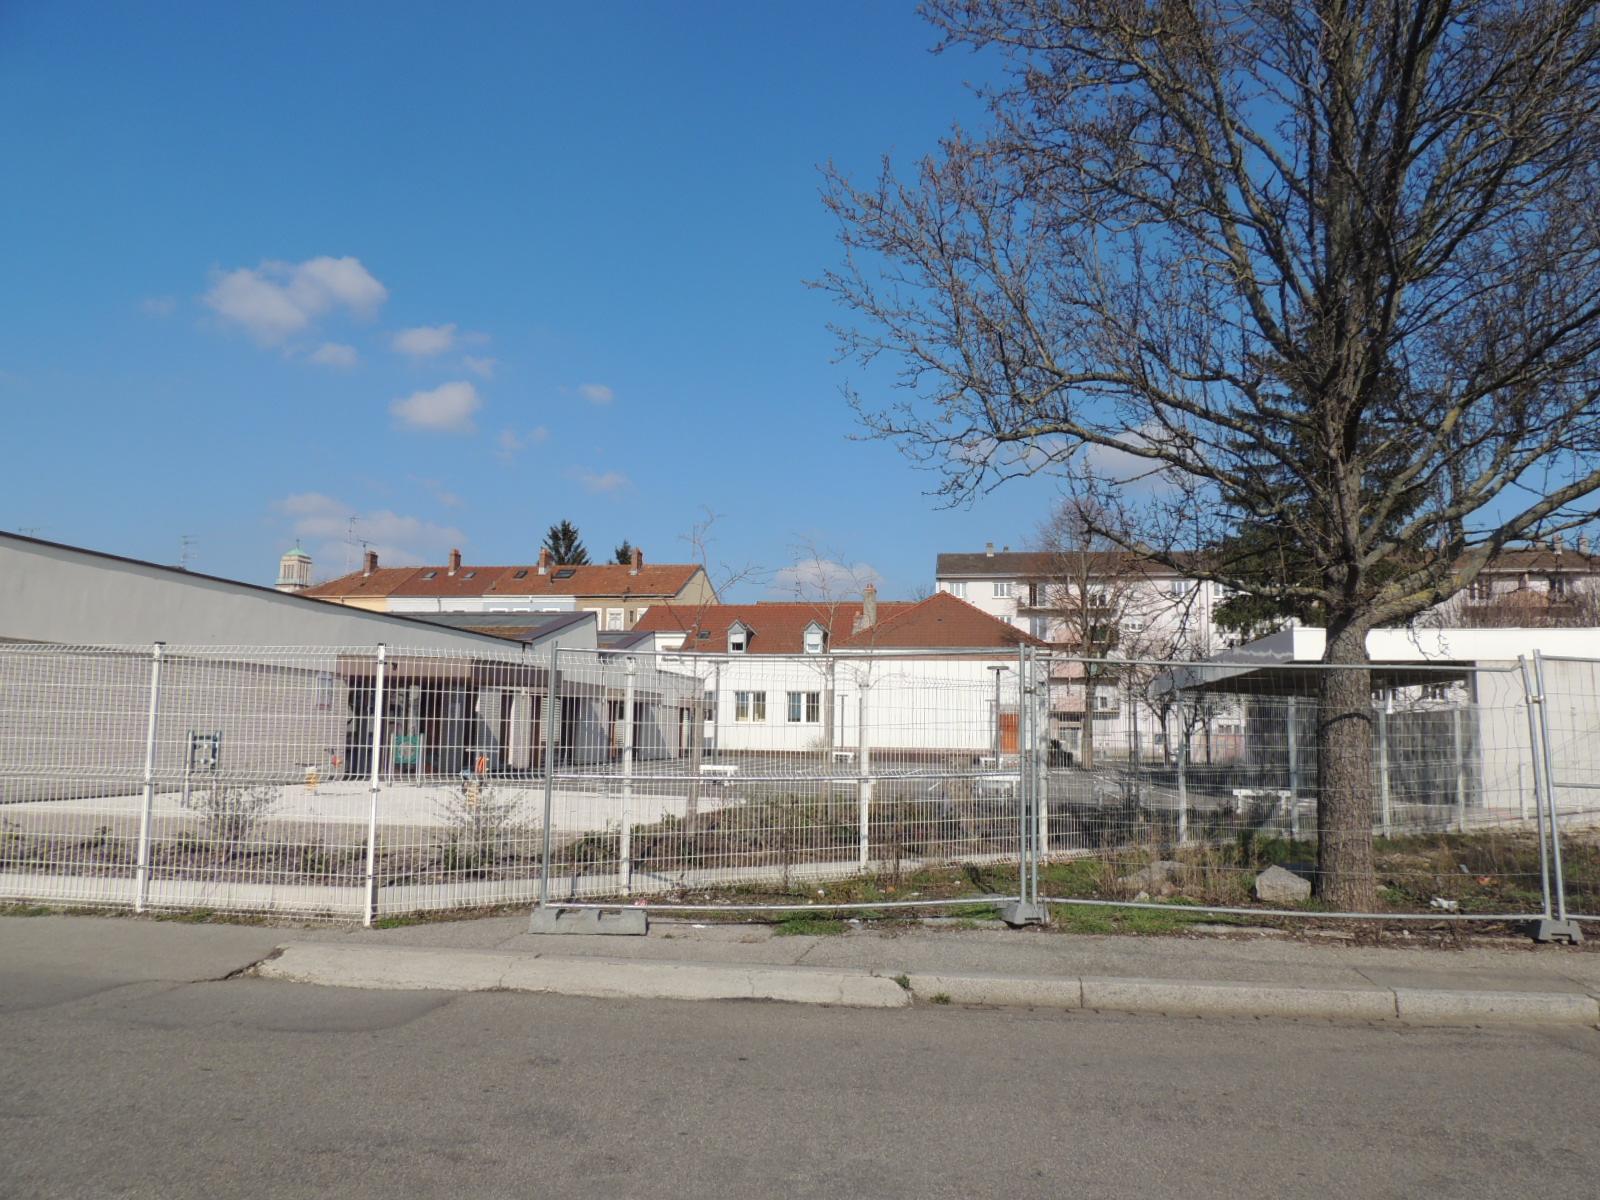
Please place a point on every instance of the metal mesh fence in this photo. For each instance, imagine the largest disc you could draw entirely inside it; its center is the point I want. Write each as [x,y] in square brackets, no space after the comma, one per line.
[1187,781]
[352,783]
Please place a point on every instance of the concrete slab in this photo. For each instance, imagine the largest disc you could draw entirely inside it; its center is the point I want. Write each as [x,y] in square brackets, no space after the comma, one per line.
[474,970]
[1434,1005]
[1238,998]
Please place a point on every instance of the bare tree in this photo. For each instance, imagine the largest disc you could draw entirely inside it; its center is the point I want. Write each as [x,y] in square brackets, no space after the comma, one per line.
[1096,597]
[1328,269]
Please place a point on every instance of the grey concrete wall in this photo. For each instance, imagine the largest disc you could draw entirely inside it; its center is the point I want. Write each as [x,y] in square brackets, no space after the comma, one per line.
[55,593]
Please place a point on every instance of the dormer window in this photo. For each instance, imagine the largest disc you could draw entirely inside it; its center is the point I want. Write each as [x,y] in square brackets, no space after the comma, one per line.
[738,638]
[815,638]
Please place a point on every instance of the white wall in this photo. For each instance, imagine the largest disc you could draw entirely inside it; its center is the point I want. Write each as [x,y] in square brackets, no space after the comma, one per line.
[932,703]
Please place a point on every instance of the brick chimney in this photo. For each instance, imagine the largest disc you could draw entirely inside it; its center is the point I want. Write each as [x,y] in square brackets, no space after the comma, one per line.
[544,561]
[455,561]
[638,560]
[370,564]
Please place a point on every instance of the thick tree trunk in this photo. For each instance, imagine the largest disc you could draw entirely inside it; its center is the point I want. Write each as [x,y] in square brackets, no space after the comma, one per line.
[1346,881]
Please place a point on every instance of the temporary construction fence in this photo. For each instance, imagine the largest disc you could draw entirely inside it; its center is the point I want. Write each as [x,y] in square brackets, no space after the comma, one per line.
[362,782]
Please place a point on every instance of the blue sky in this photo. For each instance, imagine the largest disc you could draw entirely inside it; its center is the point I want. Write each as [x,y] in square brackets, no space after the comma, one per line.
[460,271]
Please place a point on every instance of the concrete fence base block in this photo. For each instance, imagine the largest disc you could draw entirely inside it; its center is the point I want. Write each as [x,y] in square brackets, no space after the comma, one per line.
[1547,929]
[627,922]
[1017,914]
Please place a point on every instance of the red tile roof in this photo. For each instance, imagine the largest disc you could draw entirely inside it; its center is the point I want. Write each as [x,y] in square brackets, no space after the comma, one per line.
[939,622]
[602,579]
[778,627]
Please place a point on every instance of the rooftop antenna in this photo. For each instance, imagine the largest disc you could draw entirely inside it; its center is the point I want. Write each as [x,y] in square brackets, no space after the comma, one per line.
[187,552]
[350,544]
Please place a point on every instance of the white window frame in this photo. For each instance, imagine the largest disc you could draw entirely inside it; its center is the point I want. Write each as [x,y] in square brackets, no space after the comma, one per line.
[814,639]
[738,638]
[805,708]
[956,588]
[750,707]
[613,619]
[1002,590]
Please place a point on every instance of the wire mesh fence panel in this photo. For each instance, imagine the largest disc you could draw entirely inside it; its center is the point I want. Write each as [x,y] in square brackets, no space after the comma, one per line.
[366,781]
[72,753]
[1188,780]
[763,770]
[1571,711]
[310,782]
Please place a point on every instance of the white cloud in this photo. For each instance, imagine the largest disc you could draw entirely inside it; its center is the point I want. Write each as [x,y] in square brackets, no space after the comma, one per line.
[611,482]
[332,354]
[824,579]
[481,366]
[277,300]
[425,341]
[511,442]
[323,522]
[448,408]
[596,393]
[158,306]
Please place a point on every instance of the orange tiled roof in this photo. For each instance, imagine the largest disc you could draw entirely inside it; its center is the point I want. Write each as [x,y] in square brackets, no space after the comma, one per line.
[778,627]
[939,622]
[601,579]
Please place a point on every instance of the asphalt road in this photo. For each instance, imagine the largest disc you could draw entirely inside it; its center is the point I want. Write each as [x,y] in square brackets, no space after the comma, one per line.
[119,1083]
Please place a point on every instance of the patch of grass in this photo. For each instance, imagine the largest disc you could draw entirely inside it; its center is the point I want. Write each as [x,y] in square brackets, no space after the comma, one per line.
[26,910]
[1074,918]
[1079,879]
[400,921]
[188,916]
[1150,920]
[903,980]
[800,924]
[940,997]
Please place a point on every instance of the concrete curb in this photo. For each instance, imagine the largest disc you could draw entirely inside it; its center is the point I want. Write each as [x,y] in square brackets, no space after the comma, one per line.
[616,978]
[643,979]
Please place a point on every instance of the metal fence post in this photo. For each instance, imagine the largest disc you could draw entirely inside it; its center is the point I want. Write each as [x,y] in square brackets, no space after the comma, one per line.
[552,718]
[1385,804]
[1293,721]
[625,842]
[864,775]
[141,886]
[1564,929]
[370,906]
[1039,746]
[1461,770]
[1534,700]
[1183,770]
[1026,909]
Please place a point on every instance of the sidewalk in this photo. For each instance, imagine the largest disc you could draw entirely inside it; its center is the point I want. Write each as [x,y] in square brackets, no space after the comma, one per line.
[1233,974]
